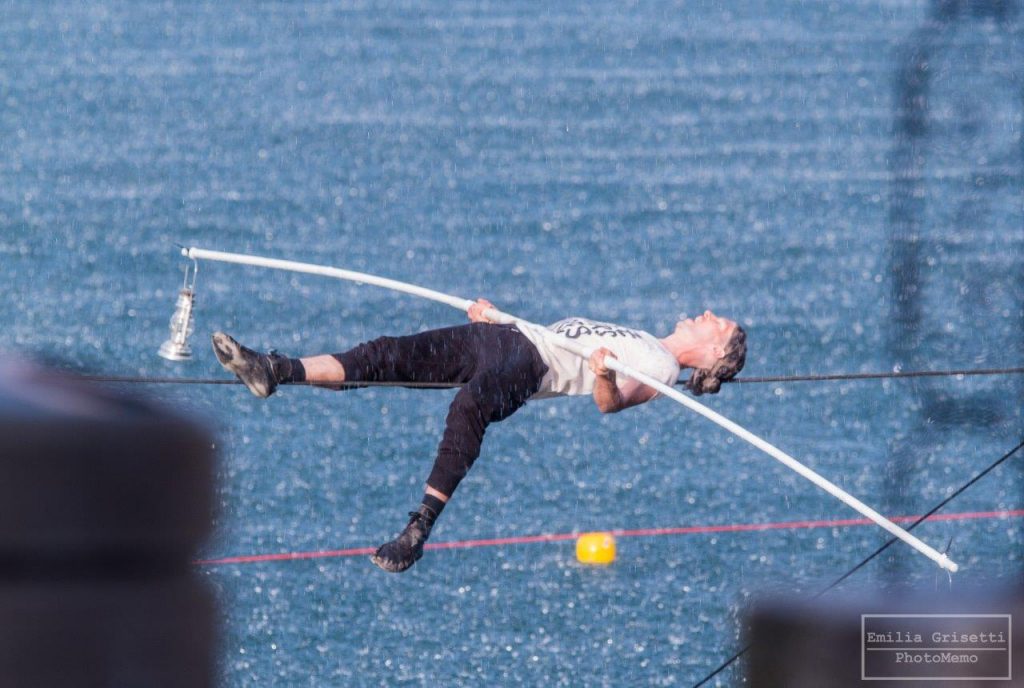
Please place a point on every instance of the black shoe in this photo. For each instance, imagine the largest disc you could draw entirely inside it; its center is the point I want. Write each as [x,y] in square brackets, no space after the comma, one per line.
[259,372]
[405,550]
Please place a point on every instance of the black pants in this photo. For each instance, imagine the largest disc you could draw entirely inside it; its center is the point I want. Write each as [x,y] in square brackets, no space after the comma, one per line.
[500,369]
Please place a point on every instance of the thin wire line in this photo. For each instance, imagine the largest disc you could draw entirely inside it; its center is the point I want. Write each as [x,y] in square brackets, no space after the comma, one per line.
[874,554]
[880,376]
[225,381]
[616,532]
[826,377]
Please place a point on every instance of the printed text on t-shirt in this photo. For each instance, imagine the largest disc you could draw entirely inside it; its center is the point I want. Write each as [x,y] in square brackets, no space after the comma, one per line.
[575,328]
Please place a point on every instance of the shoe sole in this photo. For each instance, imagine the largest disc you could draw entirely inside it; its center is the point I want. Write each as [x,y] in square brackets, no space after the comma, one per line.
[230,354]
[390,566]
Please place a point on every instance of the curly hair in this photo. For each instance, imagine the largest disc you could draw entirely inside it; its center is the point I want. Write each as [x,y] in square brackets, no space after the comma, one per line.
[709,380]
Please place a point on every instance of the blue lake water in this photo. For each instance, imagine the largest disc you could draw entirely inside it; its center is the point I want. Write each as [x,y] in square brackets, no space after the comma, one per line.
[624,161]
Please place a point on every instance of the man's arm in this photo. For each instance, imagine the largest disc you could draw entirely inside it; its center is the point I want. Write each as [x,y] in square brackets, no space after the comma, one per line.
[607,395]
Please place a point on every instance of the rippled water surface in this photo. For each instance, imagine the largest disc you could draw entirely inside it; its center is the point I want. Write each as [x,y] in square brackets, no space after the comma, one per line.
[626,161]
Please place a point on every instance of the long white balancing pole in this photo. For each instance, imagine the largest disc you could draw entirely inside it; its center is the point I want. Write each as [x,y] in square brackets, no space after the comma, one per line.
[585,352]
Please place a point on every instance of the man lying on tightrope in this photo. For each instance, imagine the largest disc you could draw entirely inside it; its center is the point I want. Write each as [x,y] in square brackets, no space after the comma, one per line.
[500,368]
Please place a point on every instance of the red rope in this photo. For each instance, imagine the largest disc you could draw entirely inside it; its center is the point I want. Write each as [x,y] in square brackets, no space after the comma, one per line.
[642,532]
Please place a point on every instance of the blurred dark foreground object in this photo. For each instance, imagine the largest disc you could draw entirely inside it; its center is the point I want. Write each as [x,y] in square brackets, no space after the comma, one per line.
[104,501]
[932,639]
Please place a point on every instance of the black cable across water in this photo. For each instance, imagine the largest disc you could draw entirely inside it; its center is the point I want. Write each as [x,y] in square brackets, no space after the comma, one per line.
[826,377]
[228,381]
[897,374]
[724,665]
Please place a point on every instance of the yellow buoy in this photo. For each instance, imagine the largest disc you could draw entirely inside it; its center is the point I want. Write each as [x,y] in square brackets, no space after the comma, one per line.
[595,548]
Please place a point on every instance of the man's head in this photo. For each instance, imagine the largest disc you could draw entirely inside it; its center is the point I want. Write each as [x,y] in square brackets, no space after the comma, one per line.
[718,350]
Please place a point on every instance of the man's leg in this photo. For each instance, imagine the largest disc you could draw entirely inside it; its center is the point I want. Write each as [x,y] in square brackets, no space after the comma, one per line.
[443,355]
[512,375]
[323,368]
[500,367]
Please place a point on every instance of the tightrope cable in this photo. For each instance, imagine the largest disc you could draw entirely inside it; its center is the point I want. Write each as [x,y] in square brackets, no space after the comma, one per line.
[824,377]
[226,381]
[896,374]
[724,665]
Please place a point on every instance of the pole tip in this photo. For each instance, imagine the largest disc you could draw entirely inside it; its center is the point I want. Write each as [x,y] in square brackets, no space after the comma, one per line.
[948,564]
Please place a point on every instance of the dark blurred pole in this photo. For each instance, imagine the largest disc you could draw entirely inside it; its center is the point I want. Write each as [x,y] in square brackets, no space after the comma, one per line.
[957,244]
[104,502]
[801,643]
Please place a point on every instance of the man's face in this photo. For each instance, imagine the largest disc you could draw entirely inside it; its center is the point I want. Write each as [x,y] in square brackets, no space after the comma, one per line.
[708,333]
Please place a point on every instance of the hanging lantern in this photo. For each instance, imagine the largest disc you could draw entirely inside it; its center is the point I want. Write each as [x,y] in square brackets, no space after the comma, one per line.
[176,348]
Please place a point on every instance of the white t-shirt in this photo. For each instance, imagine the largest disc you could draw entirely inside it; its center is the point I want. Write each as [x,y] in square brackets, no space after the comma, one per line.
[569,374]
